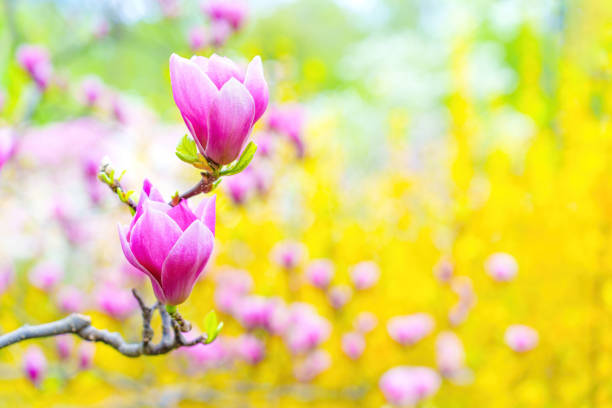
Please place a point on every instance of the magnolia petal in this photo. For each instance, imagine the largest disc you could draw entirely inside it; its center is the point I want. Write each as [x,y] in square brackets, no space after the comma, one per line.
[129,255]
[185,262]
[182,215]
[222,69]
[193,92]
[257,86]
[206,212]
[152,238]
[230,122]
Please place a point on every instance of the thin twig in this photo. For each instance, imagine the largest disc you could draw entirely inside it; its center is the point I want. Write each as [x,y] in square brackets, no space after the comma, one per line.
[205,185]
[80,325]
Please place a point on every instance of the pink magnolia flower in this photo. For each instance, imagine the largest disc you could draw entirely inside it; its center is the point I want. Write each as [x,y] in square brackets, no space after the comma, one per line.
[206,356]
[339,295]
[255,311]
[34,365]
[85,355]
[289,254]
[407,386]
[265,144]
[234,12]
[116,302]
[312,365]
[407,330]
[70,300]
[64,345]
[239,187]
[197,37]
[501,266]
[8,145]
[219,102]
[91,90]
[307,330]
[220,31]
[35,60]
[521,338]
[353,345]
[171,245]
[250,349]
[450,355]
[365,275]
[46,275]
[232,286]
[320,273]
[444,270]
[365,322]
[289,120]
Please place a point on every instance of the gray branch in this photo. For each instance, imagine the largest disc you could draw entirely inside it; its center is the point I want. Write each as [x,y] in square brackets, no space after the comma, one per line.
[80,325]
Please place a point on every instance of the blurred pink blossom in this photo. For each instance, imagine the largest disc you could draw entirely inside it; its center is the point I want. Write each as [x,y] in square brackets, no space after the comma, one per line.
[85,355]
[365,275]
[34,365]
[339,296]
[234,12]
[312,365]
[46,275]
[521,338]
[197,38]
[320,273]
[250,349]
[116,302]
[289,254]
[407,386]
[365,322]
[450,355]
[443,270]
[35,60]
[353,345]
[409,329]
[64,345]
[501,266]
[71,300]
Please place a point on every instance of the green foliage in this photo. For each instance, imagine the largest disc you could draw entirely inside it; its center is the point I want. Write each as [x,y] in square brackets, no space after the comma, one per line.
[212,326]
[187,150]
[242,162]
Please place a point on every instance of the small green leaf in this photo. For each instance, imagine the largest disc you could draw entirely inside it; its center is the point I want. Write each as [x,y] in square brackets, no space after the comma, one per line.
[187,150]
[242,162]
[212,326]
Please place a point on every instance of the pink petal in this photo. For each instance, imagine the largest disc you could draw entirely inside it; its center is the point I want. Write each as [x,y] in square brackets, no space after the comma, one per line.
[185,262]
[151,191]
[129,255]
[206,212]
[230,121]
[201,62]
[182,215]
[152,238]
[257,86]
[222,69]
[193,92]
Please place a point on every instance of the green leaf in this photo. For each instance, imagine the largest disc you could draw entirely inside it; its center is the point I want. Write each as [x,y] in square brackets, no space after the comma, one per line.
[187,150]
[242,162]
[211,326]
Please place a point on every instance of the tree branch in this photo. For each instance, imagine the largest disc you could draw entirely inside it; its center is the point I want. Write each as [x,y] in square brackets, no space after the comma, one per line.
[80,325]
[205,185]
